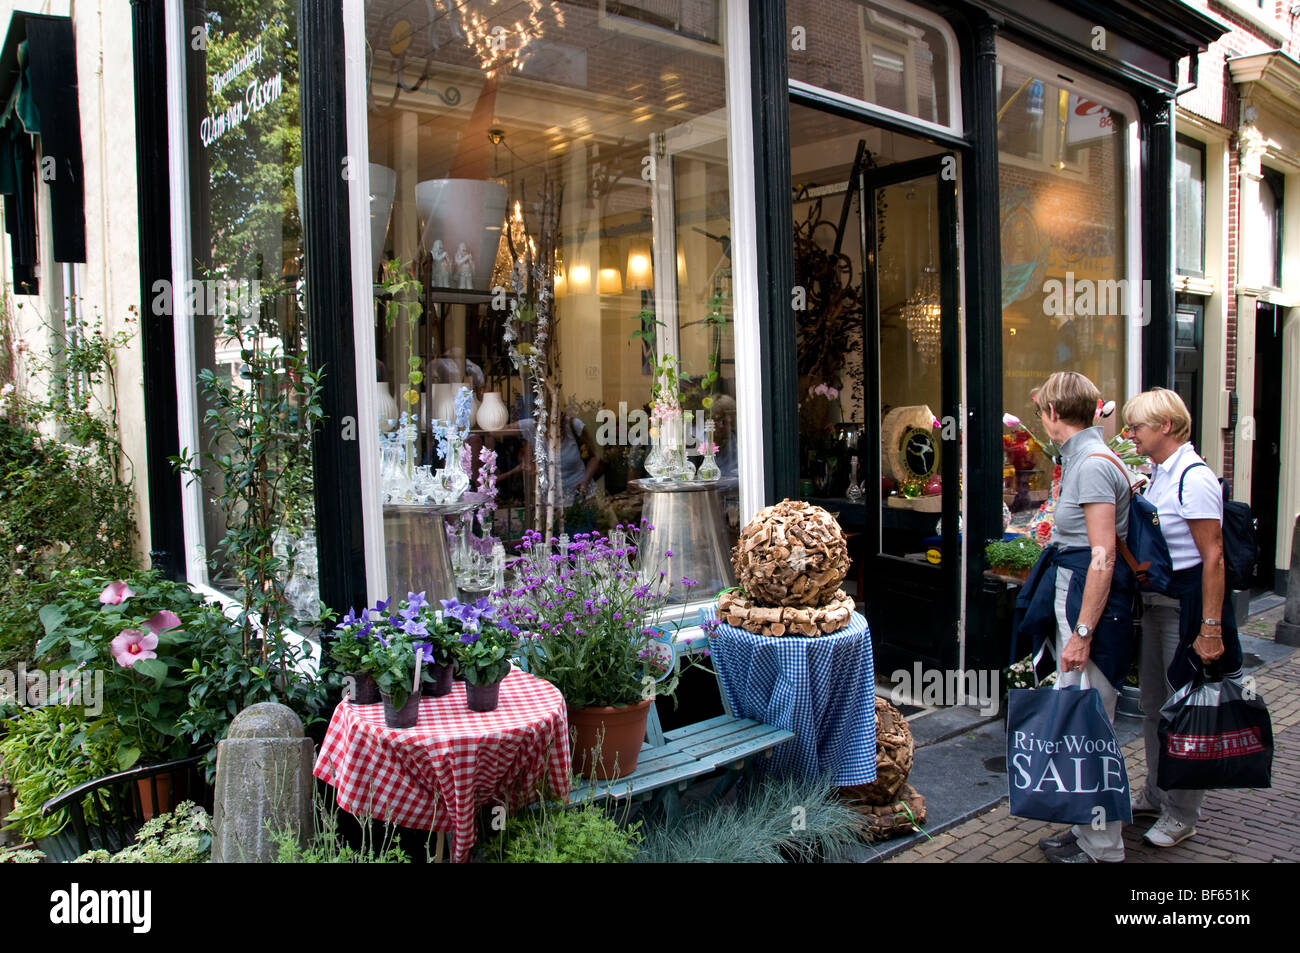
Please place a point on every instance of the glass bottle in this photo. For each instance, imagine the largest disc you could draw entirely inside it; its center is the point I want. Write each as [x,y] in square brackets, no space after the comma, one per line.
[687,472]
[657,463]
[709,469]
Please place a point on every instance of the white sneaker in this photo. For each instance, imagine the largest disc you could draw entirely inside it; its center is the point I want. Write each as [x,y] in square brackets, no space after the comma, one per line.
[1168,832]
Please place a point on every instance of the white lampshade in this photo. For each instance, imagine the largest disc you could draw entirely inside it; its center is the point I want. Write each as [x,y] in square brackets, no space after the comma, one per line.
[639,269]
[609,282]
[579,282]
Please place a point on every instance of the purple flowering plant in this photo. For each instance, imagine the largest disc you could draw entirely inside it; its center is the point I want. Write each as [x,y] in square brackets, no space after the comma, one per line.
[588,620]
[484,639]
[383,642]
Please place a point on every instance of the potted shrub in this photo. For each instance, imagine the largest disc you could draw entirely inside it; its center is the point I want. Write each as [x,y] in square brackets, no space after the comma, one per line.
[588,626]
[390,659]
[1014,557]
[484,640]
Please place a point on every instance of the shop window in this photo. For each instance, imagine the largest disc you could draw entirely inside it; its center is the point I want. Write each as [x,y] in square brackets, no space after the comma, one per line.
[1067,301]
[904,60]
[1189,210]
[565,233]
[242,280]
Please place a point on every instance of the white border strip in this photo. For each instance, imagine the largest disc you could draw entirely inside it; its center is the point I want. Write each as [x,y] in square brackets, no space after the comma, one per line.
[187,402]
[363,302]
[744,263]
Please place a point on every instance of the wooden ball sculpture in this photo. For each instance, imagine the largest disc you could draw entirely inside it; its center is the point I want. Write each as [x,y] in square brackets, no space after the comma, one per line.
[792,554]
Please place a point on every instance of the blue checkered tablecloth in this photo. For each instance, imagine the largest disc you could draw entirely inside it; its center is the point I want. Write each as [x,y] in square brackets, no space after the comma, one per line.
[821,688]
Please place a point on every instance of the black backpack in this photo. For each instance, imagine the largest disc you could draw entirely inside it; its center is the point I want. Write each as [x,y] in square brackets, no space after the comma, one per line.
[1240,548]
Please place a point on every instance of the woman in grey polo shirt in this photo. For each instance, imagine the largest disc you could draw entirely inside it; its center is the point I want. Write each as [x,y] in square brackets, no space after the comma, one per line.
[1194,622]
[1087,624]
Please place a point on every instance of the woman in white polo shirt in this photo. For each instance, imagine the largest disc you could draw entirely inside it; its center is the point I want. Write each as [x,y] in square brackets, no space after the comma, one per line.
[1194,623]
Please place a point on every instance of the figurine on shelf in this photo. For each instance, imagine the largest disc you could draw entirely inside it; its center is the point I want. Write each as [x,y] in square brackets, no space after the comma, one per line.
[464,268]
[441,265]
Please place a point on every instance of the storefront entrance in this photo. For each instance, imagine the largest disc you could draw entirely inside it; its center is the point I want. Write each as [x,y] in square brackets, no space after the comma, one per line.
[876,300]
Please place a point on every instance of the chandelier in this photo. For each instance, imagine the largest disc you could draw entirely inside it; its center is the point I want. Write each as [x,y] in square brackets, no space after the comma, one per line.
[924,316]
[503,45]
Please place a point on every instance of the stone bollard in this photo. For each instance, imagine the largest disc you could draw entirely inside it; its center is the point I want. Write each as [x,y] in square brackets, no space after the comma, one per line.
[1288,630]
[264,785]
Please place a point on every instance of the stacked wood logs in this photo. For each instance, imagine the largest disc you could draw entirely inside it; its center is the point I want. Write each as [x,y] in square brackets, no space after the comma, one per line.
[791,554]
[889,805]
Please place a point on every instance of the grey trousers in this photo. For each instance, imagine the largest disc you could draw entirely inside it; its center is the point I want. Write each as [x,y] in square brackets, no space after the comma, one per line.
[1159,643]
[1105,845]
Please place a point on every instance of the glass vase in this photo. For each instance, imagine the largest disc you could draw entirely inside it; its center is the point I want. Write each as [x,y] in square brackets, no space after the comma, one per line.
[709,469]
[658,462]
[686,473]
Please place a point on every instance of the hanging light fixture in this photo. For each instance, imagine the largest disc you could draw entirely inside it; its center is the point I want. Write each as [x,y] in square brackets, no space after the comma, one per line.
[609,280]
[639,268]
[923,310]
[924,316]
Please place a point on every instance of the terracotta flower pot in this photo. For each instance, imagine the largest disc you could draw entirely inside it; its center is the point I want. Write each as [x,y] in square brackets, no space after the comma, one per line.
[162,783]
[404,717]
[366,691]
[482,697]
[441,683]
[607,740]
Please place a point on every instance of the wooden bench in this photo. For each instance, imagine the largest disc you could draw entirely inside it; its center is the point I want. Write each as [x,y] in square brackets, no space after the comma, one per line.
[663,771]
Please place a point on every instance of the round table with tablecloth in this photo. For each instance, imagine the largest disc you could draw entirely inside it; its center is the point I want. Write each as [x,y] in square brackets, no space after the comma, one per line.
[822,688]
[436,775]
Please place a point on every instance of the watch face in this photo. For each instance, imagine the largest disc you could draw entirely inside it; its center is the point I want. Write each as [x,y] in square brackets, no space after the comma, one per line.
[919,453]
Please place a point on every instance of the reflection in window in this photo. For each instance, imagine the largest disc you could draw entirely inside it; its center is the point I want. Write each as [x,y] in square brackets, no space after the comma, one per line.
[1065,303]
[901,61]
[562,219]
[246,238]
[1268,261]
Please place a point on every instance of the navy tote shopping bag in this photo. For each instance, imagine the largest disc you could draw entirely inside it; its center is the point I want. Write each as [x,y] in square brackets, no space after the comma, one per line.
[1063,763]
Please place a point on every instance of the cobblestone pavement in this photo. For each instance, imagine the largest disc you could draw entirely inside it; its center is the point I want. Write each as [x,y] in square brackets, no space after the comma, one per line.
[1244,826]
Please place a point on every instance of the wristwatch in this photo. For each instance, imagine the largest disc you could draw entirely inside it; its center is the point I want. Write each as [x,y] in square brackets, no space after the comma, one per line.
[1082,631]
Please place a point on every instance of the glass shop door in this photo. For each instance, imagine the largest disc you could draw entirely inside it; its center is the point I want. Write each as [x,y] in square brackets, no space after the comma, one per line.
[910,444]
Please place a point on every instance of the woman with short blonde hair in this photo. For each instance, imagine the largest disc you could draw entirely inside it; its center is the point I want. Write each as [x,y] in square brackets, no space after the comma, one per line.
[1156,407]
[1071,396]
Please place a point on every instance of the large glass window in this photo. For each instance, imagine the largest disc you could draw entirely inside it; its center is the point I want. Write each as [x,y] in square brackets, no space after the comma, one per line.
[1189,211]
[1267,266]
[550,224]
[1066,298]
[249,323]
[904,60]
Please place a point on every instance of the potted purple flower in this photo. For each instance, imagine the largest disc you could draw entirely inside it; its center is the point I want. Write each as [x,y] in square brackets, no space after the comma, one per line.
[484,641]
[589,623]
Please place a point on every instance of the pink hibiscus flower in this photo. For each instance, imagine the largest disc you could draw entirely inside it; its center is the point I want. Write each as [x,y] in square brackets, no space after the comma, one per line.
[132,645]
[115,593]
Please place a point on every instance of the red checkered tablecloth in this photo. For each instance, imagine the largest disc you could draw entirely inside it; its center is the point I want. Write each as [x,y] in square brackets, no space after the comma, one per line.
[436,775]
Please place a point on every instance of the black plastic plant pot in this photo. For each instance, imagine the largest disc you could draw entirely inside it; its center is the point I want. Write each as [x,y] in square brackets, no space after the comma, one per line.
[482,697]
[439,682]
[366,691]
[404,717]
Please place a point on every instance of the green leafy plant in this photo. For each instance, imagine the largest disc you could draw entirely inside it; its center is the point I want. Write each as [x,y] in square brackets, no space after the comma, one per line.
[65,489]
[557,835]
[774,821]
[257,426]
[403,293]
[1021,675]
[48,751]
[1016,555]
[183,836]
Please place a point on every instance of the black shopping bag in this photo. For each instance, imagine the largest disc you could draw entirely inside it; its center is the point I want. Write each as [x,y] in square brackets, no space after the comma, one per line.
[1063,763]
[1215,733]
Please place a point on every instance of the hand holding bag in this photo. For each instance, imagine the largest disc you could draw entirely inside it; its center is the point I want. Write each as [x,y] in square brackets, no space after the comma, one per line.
[1214,733]
[1063,763]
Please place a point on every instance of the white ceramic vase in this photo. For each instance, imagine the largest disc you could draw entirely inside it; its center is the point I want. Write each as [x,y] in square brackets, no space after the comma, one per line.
[492,414]
[383,188]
